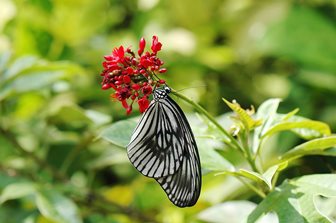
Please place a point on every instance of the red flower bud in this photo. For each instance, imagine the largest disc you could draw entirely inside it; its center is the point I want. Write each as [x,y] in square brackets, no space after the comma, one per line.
[142,44]
[163,70]
[129,110]
[106,86]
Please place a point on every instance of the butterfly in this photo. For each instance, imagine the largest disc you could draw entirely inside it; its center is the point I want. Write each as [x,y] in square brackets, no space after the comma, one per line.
[163,147]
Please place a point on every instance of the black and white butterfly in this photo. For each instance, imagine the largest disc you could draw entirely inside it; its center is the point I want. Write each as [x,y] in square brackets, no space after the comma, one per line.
[163,147]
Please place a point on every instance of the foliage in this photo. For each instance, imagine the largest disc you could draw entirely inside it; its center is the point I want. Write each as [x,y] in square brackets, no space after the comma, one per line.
[62,140]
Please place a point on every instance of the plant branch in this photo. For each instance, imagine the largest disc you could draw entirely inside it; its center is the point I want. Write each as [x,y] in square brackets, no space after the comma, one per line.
[247,152]
[100,204]
[201,110]
[75,151]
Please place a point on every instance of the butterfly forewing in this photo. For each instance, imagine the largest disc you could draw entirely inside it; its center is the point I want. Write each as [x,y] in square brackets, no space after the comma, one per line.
[163,147]
[156,144]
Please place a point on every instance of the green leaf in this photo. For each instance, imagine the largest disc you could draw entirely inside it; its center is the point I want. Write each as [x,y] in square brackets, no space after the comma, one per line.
[234,212]
[210,159]
[119,133]
[288,38]
[307,129]
[25,83]
[57,207]
[271,171]
[4,58]
[312,147]
[254,176]
[293,201]
[245,118]
[18,66]
[267,113]
[327,152]
[108,158]
[70,114]
[97,117]
[17,190]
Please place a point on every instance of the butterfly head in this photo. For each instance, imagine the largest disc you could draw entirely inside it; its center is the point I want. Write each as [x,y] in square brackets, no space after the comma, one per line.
[161,93]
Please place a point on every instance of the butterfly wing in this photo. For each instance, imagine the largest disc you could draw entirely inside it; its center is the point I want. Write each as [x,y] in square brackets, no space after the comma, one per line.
[156,147]
[184,186]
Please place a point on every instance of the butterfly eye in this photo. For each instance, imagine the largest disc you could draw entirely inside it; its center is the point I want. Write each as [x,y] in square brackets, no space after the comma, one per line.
[167,89]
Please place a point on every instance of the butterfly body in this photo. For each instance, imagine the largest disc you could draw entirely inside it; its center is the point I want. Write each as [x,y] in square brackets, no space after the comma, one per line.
[163,147]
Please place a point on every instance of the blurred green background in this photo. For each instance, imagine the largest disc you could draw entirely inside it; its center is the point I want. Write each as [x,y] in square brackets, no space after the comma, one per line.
[53,107]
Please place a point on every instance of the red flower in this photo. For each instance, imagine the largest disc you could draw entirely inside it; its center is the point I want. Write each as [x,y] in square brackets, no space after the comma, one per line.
[147,90]
[118,54]
[143,104]
[131,77]
[156,45]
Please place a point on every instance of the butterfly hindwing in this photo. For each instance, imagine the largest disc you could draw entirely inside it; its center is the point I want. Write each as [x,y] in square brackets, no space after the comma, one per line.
[183,187]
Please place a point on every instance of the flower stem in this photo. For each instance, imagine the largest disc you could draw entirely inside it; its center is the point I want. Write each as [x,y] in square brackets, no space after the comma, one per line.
[201,110]
[245,149]
[247,152]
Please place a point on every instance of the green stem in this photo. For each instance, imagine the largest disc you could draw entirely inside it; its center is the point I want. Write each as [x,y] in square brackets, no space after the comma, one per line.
[74,152]
[247,152]
[275,179]
[201,110]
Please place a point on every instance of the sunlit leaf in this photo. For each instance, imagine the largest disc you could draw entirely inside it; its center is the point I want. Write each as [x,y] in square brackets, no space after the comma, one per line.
[17,190]
[265,112]
[97,117]
[307,129]
[57,207]
[18,66]
[212,160]
[4,58]
[109,158]
[119,133]
[245,118]
[122,195]
[251,175]
[71,115]
[294,199]
[312,147]
[234,212]
[271,171]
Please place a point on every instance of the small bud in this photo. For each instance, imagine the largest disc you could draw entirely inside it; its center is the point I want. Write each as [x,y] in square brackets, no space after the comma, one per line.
[105,86]
[142,44]
[163,70]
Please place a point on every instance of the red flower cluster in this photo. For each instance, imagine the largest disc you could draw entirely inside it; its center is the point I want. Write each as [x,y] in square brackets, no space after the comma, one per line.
[132,77]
